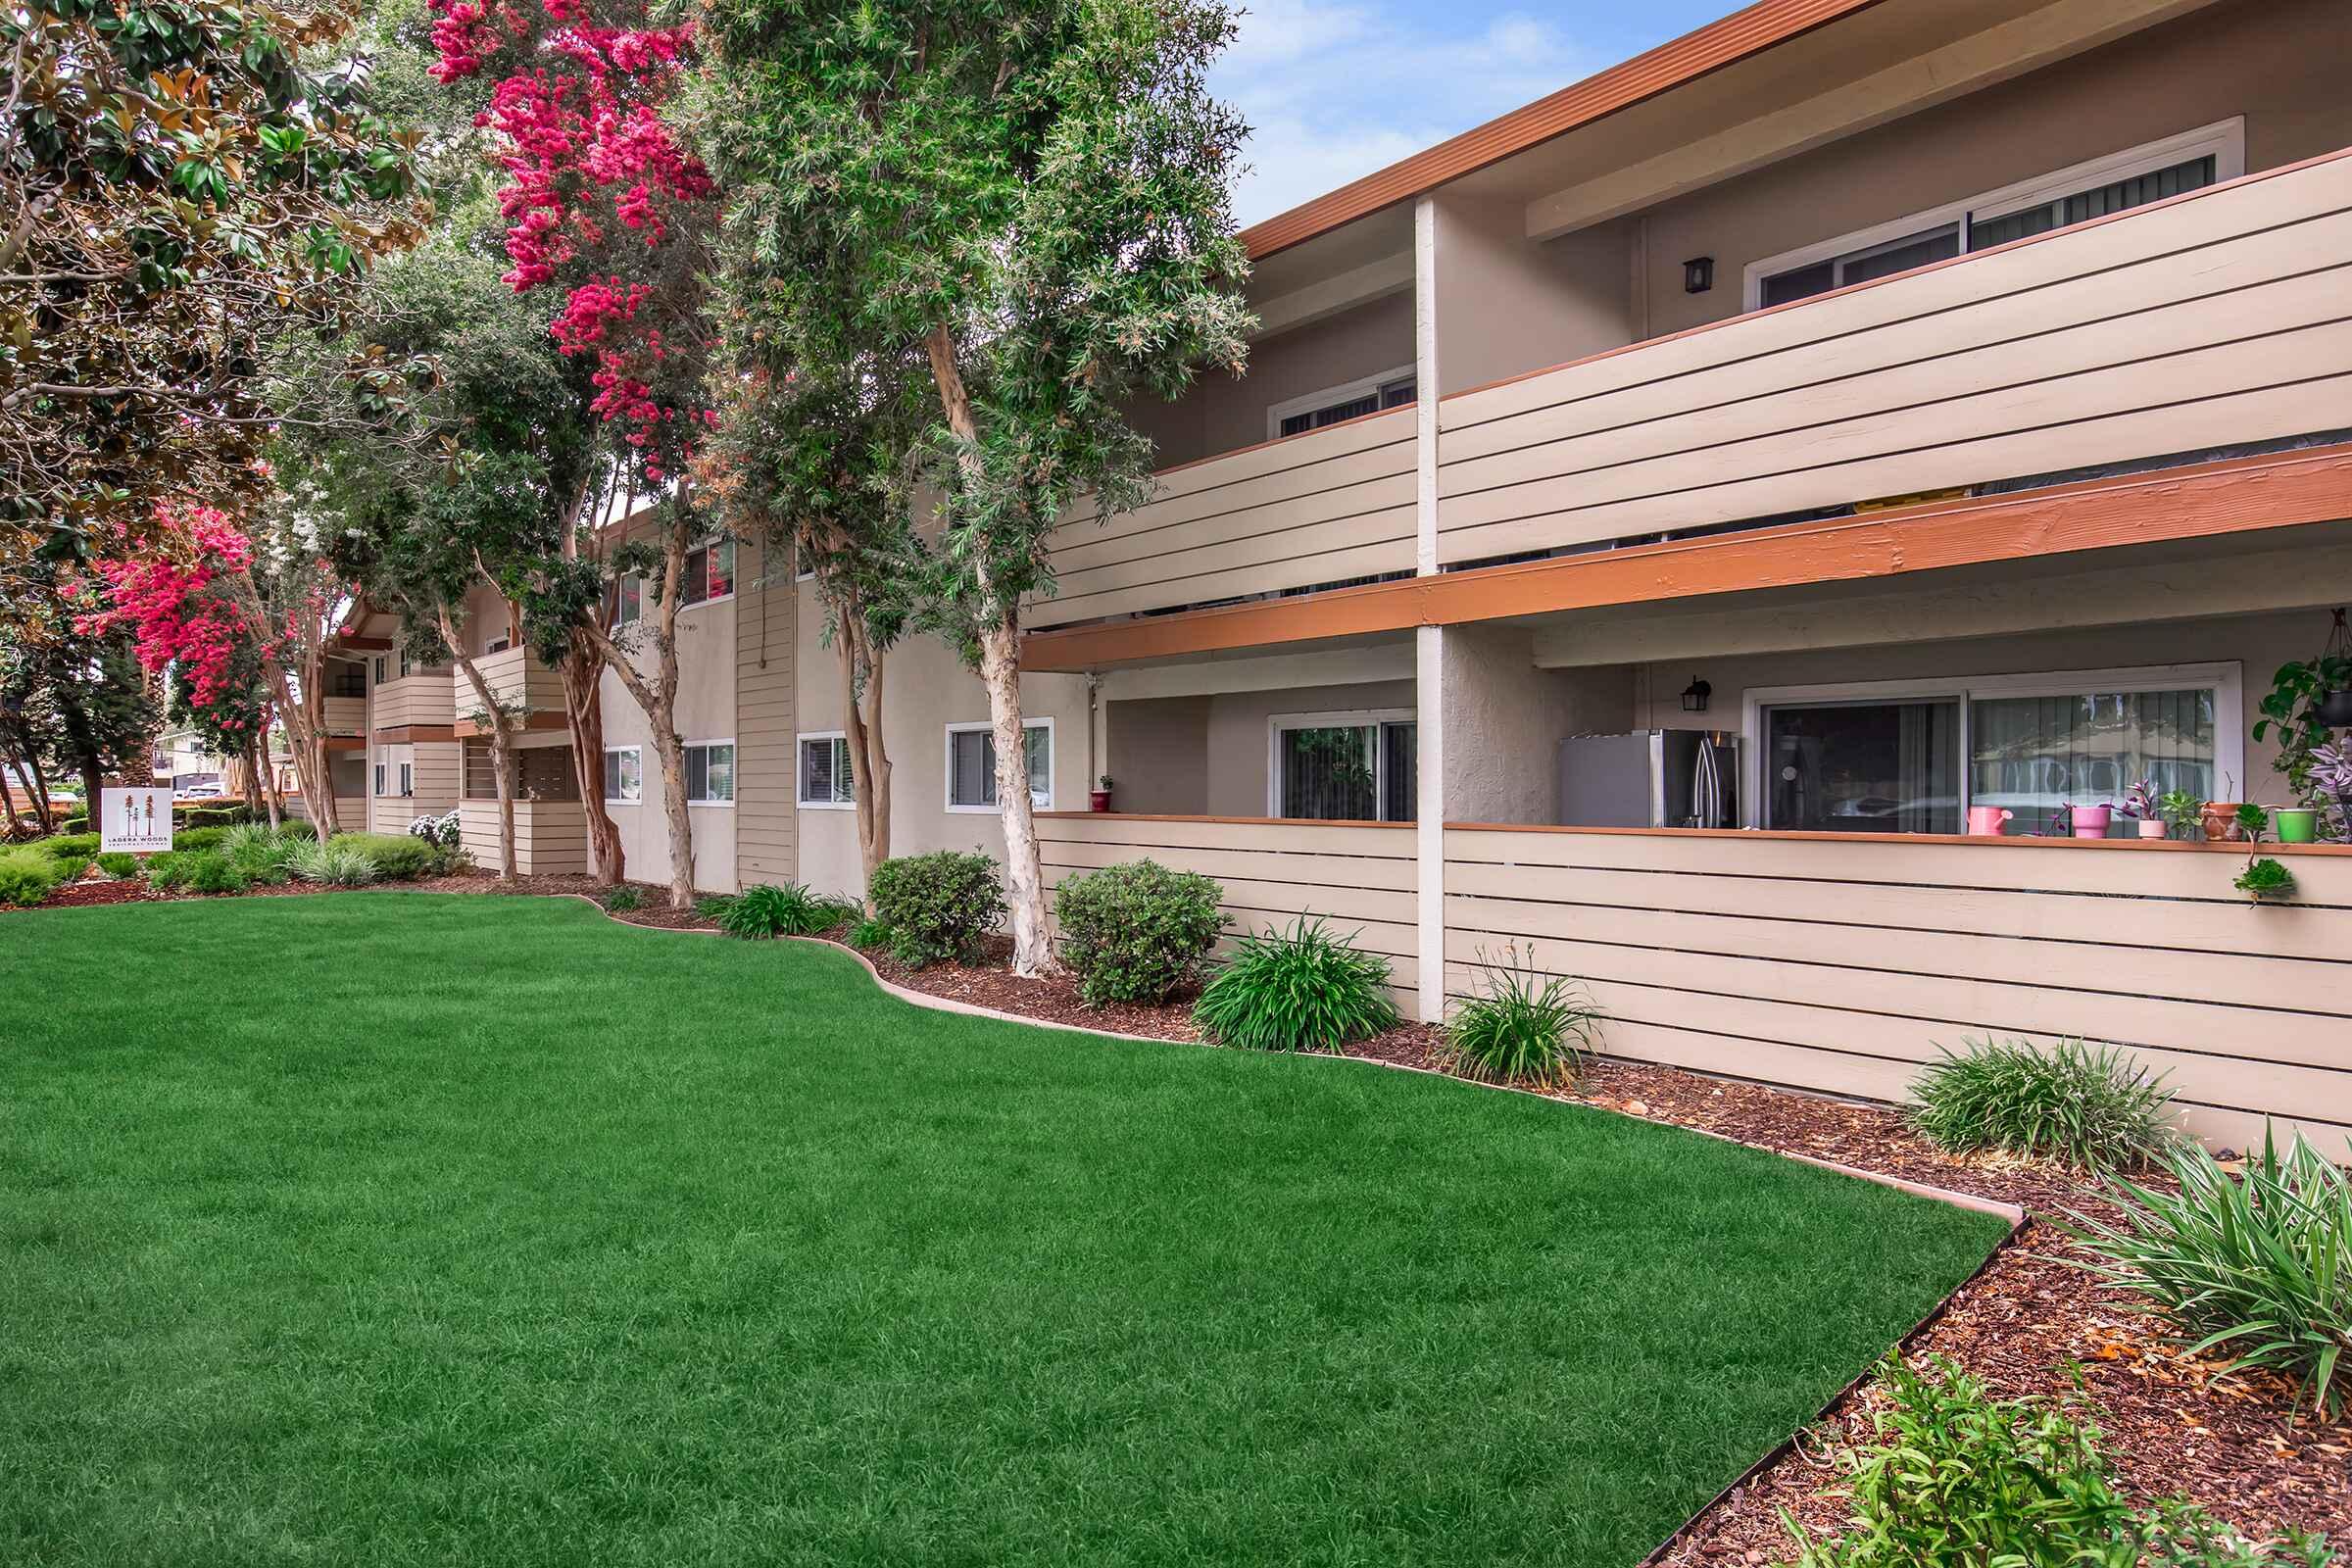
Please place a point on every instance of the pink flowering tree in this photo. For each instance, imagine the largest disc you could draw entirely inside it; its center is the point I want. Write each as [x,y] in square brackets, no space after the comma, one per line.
[610,215]
[203,603]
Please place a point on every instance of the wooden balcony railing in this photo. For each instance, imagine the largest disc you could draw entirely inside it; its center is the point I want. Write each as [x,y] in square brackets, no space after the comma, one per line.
[2212,320]
[422,698]
[516,681]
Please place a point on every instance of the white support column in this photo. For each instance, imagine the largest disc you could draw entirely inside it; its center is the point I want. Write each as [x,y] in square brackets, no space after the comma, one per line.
[1428,642]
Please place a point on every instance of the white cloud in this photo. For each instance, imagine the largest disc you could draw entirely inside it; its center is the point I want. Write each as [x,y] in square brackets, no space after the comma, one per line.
[1334,91]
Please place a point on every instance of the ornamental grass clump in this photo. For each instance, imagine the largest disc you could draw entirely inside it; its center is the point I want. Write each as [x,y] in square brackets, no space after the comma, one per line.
[1952,1475]
[2258,1268]
[2090,1109]
[331,864]
[1137,931]
[790,910]
[1522,1027]
[1302,989]
[938,906]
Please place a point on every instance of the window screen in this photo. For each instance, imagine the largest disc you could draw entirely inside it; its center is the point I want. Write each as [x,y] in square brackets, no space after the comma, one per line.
[710,773]
[825,778]
[972,765]
[1389,395]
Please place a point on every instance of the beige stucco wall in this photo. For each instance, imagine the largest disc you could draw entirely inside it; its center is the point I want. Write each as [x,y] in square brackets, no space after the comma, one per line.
[1506,717]
[1220,414]
[1239,731]
[2279,62]
[1158,752]
[706,712]
[1506,305]
[926,688]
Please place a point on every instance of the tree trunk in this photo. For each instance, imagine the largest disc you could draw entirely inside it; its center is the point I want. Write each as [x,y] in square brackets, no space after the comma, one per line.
[583,670]
[998,635]
[869,758]
[261,777]
[8,795]
[658,699]
[93,780]
[499,726]
[39,779]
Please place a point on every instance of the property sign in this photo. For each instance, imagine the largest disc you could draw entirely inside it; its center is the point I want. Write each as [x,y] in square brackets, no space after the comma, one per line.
[136,820]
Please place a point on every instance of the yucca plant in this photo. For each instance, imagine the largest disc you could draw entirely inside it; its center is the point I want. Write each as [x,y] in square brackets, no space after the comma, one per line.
[336,866]
[1522,1027]
[790,910]
[2090,1108]
[1302,989]
[2259,1268]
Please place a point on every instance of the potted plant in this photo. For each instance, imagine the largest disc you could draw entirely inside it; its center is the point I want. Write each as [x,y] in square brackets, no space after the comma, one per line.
[2297,824]
[2307,699]
[2090,821]
[2266,880]
[1099,799]
[2331,781]
[2221,816]
[2181,810]
[2141,805]
[2252,823]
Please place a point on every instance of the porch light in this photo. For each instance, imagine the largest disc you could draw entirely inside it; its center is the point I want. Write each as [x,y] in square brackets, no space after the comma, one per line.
[1698,274]
[1695,695]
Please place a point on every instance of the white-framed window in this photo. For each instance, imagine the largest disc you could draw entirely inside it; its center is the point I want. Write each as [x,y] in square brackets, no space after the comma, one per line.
[826,781]
[2133,177]
[408,780]
[624,775]
[972,765]
[709,571]
[711,772]
[1390,389]
[383,668]
[1912,756]
[628,598]
[499,645]
[379,778]
[1354,767]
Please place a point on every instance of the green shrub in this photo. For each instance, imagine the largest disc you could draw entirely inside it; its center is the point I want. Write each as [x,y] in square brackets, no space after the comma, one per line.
[866,935]
[198,838]
[790,910]
[117,865]
[331,864]
[76,825]
[1298,990]
[396,856]
[712,906]
[210,871]
[167,871]
[620,899]
[26,877]
[1521,1027]
[2260,1269]
[2090,1109]
[1953,1476]
[65,846]
[938,906]
[1137,932]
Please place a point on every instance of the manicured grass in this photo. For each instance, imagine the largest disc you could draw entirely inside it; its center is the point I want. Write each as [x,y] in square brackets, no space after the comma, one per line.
[392,1228]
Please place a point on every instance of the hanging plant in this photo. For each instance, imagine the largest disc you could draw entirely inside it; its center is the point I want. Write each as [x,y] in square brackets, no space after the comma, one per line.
[2308,699]
[2267,880]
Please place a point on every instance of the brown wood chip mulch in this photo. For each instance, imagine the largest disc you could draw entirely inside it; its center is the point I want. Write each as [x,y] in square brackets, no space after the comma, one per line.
[2029,1323]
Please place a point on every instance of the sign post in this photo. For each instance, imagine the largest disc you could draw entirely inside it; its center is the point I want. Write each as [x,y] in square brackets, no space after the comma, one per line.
[134,820]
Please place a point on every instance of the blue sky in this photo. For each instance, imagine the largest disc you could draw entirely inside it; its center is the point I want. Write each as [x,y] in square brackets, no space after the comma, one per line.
[1337,88]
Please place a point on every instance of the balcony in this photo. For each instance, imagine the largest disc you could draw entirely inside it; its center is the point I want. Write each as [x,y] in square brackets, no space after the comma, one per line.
[345,715]
[1324,507]
[517,682]
[422,698]
[2212,321]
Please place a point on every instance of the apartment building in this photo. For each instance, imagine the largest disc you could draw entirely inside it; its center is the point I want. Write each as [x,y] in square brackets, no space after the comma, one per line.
[1867,412]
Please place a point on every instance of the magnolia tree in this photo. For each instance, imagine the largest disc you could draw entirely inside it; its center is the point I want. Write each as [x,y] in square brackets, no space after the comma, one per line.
[1035,198]
[208,605]
[605,206]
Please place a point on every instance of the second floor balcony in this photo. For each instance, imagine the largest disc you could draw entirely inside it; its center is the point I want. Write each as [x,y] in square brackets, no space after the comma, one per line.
[518,683]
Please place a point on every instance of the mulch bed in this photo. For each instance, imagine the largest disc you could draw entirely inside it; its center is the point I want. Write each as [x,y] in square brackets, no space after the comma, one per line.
[2029,1323]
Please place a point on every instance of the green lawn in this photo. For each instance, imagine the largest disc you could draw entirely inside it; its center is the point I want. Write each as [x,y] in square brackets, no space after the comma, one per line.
[385,1227]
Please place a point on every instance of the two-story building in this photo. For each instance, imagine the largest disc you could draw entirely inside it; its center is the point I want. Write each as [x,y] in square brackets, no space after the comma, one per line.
[1651,525]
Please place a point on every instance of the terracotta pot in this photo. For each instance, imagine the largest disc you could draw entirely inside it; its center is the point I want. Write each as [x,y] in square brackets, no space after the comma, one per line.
[2221,822]
[1098,799]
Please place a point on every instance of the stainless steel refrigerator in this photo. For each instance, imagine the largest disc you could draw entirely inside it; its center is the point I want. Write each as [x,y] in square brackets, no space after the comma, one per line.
[1650,778]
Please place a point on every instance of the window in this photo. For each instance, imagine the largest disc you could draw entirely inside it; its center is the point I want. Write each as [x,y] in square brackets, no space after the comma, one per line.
[709,571]
[379,778]
[711,772]
[1345,767]
[383,668]
[825,778]
[972,765]
[408,780]
[624,775]
[1890,757]
[347,680]
[2116,183]
[628,600]
[1387,390]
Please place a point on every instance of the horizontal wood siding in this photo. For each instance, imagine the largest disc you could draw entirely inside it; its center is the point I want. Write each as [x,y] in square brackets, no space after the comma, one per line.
[1361,876]
[1840,966]
[765,767]
[419,698]
[551,836]
[1324,507]
[345,715]
[514,677]
[2218,319]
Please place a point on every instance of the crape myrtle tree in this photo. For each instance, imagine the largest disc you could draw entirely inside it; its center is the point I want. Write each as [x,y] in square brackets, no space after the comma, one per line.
[80,702]
[179,180]
[817,461]
[608,211]
[1036,196]
[234,724]
[200,598]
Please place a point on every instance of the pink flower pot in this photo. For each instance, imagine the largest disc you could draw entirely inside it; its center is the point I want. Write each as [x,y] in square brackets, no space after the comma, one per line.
[2090,821]
[2151,827]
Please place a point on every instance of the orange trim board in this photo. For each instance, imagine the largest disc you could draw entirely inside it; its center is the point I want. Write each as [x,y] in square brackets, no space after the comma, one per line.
[406,734]
[468,729]
[2238,494]
[1722,43]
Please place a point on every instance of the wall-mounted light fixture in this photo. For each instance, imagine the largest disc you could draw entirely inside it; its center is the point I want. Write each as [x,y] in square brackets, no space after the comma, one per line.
[1695,695]
[1698,274]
